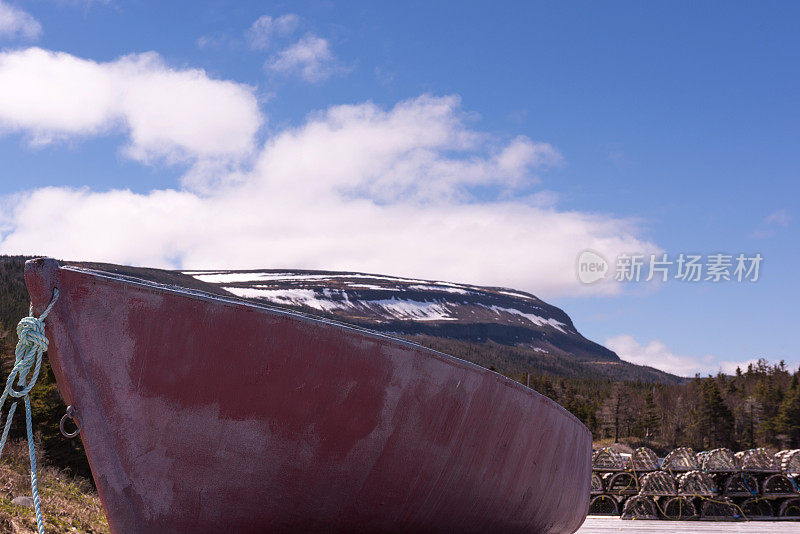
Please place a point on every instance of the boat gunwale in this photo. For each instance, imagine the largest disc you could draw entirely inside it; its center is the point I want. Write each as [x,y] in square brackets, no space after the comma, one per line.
[311,318]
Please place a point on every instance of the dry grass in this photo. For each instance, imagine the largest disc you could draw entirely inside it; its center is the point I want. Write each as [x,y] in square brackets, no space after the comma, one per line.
[69,504]
[617,447]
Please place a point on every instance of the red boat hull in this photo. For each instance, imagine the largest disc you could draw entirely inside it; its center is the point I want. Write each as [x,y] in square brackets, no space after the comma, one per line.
[202,414]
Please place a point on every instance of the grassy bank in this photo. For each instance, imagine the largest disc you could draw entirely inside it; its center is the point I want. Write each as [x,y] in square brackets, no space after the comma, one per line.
[69,503]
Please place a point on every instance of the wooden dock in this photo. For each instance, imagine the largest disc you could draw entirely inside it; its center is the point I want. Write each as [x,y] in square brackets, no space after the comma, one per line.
[608,525]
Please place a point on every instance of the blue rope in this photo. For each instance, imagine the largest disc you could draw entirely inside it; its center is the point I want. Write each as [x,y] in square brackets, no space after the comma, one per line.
[746,485]
[790,476]
[31,346]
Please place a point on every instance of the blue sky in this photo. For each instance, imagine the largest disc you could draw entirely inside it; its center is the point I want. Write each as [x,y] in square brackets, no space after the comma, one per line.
[623,126]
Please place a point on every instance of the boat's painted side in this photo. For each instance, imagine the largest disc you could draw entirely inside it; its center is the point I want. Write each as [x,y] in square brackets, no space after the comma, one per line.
[206,415]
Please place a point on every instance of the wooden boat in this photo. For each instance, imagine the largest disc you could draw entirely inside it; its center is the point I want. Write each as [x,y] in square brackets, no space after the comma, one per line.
[206,414]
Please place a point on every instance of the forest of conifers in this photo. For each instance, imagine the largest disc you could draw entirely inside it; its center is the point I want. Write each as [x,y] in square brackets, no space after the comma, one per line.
[758,406]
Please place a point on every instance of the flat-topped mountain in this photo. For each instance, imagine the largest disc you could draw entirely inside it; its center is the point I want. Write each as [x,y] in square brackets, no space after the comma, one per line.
[505,329]
[416,307]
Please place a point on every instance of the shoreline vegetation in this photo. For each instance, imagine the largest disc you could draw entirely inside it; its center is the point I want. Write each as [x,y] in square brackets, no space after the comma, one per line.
[69,503]
[756,407]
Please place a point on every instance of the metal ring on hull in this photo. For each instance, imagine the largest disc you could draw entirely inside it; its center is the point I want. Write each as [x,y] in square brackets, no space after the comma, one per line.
[72,413]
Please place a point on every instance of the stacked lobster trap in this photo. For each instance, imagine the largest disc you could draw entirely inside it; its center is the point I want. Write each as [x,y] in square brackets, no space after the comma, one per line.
[713,485]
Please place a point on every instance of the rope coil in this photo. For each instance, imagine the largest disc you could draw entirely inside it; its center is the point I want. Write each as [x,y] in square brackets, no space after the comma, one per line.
[28,358]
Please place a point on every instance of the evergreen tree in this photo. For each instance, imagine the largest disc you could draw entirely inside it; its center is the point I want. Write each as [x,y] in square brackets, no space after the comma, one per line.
[649,421]
[715,415]
[610,413]
[788,418]
[770,396]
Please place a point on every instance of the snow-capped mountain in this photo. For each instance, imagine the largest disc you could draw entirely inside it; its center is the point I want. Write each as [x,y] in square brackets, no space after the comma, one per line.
[411,306]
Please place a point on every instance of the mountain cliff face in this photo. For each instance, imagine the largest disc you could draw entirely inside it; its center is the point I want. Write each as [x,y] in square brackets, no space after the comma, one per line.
[416,307]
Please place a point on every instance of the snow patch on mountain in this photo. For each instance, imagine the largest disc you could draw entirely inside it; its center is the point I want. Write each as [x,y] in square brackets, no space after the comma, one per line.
[412,310]
[243,277]
[442,287]
[331,300]
[381,299]
[239,278]
[535,319]
[289,297]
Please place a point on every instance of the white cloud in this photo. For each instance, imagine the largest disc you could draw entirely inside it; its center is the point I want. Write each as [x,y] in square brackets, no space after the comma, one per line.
[265,28]
[15,23]
[779,218]
[170,114]
[657,354]
[729,367]
[310,58]
[768,226]
[85,4]
[354,188]
[211,41]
